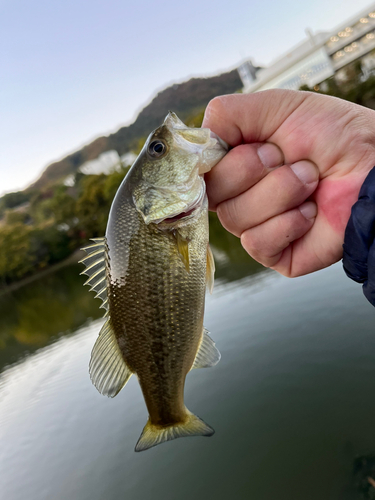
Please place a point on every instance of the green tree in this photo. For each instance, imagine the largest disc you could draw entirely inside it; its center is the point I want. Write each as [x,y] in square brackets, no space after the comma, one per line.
[16,259]
[13,218]
[63,207]
[92,206]
[349,84]
[12,200]
[112,183]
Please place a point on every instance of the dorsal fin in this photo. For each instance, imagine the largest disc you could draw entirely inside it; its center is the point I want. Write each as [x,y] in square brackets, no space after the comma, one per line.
[108,370]
[95,262]
[207,355]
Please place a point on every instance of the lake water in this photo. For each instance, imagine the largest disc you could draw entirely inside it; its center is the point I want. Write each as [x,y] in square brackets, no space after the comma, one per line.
[292,399]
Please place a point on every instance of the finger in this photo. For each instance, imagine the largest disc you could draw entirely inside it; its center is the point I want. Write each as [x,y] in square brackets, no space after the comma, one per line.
[266,242]
[317,249]
[239,170]
[246,118]
[281,190]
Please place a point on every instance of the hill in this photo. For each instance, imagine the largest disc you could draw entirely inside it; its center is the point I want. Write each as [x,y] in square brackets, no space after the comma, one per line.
[186,99]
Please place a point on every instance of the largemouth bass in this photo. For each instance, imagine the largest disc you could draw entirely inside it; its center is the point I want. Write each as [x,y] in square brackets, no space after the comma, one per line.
[151,271]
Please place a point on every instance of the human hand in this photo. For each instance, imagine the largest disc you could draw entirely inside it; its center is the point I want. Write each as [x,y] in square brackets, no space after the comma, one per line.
[326,146]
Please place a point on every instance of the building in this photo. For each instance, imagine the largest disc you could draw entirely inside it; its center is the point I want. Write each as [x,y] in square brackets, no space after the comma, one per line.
[318,57]
[106,163]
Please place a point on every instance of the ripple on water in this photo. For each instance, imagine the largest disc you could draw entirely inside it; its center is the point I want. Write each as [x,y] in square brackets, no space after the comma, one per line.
[290,401]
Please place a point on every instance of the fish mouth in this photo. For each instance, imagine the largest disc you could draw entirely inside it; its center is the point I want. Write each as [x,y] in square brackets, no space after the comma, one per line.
[220,141]
[210,155]
[182,215]
[189,212]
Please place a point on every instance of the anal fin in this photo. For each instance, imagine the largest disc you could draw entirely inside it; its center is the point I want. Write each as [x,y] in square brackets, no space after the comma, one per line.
[207,355]
[108,370]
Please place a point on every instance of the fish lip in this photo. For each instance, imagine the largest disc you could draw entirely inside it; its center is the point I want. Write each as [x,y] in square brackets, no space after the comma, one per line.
[221,141]
[210,155]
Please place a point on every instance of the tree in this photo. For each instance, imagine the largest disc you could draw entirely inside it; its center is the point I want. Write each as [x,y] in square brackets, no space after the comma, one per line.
[16,259]
[93,206]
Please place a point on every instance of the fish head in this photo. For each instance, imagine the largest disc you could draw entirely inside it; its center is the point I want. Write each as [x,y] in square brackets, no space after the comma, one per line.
[169,169]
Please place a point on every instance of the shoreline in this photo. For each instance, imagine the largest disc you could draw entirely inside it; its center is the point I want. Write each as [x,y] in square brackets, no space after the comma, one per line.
[72,259]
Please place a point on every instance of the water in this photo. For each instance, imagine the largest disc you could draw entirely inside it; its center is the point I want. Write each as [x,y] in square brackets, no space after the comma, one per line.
[292,400]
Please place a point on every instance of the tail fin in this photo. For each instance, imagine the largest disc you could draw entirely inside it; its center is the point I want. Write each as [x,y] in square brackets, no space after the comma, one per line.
[153,435]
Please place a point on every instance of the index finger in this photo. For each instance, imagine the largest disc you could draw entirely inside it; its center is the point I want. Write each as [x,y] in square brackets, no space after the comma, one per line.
[247,118]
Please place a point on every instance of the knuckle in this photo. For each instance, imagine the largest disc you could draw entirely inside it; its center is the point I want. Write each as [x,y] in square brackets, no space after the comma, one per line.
[306,172]
[246,158]
[291,188]
[226,213]
[252,245]
[284,272]
[245,166]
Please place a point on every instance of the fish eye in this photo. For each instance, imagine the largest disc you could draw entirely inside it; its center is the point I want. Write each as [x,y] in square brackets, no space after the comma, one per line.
[157,149]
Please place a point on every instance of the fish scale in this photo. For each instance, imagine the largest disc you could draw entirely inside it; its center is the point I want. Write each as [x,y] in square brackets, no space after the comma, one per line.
[155,261]
[171,301]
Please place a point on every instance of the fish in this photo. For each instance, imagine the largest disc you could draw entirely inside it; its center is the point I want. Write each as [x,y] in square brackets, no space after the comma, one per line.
[151,270]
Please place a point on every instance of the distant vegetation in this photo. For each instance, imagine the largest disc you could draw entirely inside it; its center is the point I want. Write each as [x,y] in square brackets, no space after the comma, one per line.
[12,200]
[352,84]
[54,223]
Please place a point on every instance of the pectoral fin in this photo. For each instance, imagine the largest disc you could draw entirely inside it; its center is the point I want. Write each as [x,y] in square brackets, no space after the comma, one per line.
[108,370]
[183,249]
[207,355]
[210,270]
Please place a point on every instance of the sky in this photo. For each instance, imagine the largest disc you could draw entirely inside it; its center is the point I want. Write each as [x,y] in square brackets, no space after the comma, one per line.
[72,70]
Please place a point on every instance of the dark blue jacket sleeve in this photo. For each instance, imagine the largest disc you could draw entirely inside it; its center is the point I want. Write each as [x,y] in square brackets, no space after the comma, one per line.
[359,245]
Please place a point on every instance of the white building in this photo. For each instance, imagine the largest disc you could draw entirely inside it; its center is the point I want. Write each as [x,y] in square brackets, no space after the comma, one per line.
[105,163]
[318,57]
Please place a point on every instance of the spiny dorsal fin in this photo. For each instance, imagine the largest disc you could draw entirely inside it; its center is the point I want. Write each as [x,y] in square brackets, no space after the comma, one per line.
[207,354]
[210,270]
[95,262]
[183,249]
[108,370]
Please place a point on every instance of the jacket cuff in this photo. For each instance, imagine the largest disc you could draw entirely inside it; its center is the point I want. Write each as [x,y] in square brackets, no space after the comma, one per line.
[359,247]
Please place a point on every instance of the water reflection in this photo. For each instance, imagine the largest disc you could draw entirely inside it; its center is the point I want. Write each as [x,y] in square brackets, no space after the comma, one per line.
[291,400]
[232,262]
[38,313]
[57,304]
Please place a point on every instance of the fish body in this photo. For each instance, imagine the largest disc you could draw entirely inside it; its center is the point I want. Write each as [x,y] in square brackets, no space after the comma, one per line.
[153,266]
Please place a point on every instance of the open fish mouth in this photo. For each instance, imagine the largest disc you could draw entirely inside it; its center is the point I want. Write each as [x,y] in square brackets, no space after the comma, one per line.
[182,215]
[188,212]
